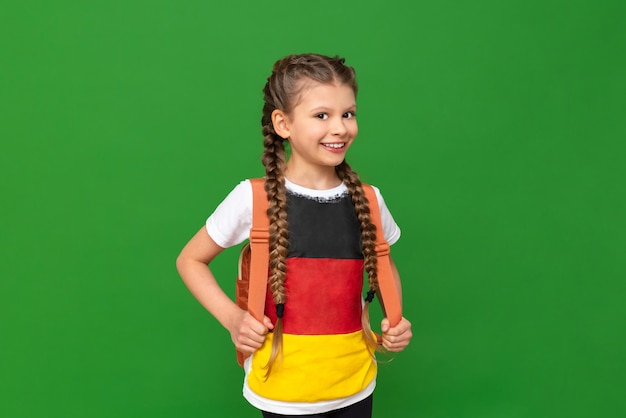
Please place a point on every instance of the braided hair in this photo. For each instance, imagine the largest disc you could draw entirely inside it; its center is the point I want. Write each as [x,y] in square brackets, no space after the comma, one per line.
[282,92]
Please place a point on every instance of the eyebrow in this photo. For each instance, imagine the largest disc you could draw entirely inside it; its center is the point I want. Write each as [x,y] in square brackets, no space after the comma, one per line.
[325,108]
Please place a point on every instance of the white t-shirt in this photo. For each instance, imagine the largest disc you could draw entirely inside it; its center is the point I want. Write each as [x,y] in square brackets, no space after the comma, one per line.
[229,225]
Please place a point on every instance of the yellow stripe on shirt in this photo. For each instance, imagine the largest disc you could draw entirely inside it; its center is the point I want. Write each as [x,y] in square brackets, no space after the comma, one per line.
[313,368]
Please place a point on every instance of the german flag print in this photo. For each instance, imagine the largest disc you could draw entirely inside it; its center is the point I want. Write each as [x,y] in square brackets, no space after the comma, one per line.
[324,353]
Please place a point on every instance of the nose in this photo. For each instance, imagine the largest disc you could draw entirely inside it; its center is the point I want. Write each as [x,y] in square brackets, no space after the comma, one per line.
[339,127]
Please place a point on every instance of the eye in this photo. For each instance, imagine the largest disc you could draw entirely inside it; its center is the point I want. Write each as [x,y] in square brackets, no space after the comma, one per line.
[322,116]
[349,115]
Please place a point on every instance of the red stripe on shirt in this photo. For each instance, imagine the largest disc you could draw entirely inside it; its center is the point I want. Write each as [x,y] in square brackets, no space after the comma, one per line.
[323,298]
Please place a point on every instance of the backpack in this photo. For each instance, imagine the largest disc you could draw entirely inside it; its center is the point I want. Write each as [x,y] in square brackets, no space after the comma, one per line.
[253,266]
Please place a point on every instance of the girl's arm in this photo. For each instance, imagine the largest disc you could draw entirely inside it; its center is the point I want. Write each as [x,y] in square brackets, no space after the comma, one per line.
[398,337]
[246,332]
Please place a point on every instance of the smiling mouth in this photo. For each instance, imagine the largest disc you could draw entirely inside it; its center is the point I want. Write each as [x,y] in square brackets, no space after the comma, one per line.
[335,146]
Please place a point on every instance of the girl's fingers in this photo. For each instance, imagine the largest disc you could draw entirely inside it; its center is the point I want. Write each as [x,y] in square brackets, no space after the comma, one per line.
[398,337]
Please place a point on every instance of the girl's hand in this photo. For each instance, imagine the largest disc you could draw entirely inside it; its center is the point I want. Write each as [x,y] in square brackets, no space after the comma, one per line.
[247,333]
[397,338]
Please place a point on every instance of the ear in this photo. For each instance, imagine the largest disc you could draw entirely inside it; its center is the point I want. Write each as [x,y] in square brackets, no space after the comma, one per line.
[280,121]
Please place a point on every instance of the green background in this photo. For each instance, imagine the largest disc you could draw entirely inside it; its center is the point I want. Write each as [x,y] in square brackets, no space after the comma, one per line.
[495,130]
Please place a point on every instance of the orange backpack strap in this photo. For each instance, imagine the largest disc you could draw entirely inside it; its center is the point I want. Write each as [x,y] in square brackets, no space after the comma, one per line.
[259,246]
[386,282]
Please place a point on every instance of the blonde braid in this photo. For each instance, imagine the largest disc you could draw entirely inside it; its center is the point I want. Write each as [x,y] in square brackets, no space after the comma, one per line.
[274,162]
[368,239]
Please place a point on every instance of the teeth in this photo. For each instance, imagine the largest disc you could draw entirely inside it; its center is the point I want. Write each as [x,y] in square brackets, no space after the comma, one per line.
[334,145]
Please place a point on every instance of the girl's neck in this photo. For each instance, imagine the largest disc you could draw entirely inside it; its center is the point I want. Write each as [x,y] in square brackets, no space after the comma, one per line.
[323,178]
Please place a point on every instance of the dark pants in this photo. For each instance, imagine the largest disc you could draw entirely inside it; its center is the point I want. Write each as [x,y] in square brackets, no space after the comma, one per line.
[361,409]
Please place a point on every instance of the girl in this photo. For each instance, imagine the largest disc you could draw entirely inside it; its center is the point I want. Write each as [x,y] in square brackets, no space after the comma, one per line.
[312,353]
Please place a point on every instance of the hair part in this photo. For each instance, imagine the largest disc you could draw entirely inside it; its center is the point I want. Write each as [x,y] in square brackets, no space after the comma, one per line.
[290,75]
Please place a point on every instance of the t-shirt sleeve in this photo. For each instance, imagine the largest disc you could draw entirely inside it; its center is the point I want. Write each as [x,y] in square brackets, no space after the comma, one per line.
[230,223]
[390,228]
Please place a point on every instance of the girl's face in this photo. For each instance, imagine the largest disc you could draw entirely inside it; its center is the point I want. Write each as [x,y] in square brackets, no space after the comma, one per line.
[320,128]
